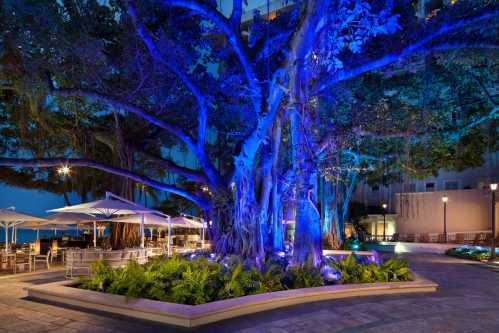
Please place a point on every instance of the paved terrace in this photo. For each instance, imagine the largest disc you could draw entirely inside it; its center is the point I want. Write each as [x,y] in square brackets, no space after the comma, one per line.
[468,301]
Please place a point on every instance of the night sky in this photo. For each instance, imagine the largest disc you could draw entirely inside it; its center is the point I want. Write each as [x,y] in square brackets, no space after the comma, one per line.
[31,201]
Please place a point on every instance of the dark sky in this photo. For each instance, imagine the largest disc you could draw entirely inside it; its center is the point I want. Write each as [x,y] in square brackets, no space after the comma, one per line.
[31,201]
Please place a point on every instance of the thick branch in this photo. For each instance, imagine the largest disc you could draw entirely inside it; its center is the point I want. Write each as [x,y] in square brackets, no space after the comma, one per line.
[181,135]
[55,162]
[417,47]
[148,40]
[190,174]
[235,16]
[252,143]
[234,39]
[184,137]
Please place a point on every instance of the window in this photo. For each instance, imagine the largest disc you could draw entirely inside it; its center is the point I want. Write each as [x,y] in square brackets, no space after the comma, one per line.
[430,187]
[375,188]
[452,185]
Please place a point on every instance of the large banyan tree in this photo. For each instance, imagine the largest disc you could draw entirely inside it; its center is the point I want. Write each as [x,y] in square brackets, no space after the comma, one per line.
[264,106]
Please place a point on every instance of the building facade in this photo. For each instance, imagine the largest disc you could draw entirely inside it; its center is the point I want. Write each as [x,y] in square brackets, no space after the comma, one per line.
[416,204]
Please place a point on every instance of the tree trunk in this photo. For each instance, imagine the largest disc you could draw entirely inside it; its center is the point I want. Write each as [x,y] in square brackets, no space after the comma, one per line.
[308,240]
[308,237]
[246,220]
[221,213]
[122,235]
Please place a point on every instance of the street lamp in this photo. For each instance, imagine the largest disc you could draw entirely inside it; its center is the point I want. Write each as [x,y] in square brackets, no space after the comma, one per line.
[384,221]
[444,200]
[493,188]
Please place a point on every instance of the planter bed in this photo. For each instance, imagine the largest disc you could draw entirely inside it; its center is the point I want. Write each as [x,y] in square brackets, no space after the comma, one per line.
[196,315]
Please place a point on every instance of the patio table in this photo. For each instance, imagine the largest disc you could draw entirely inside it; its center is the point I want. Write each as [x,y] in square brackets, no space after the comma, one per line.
[6,258]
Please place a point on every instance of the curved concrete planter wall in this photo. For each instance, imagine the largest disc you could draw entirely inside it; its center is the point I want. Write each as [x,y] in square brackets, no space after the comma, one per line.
[195,315]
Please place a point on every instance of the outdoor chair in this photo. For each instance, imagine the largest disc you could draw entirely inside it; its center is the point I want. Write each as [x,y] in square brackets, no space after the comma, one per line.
[441,238]
[488,239]
[113,258]
[395,237]
[21,260]
[479,239]
[142,256]
[74,262]
[126,256]
[424,238]
[411,238]
[459,239]
[42,258]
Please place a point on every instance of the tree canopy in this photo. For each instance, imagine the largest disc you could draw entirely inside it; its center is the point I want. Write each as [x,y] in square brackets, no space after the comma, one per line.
[258,109]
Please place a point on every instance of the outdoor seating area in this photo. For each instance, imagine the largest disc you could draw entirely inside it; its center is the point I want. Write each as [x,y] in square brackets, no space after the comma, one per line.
[79,261]
[159,235]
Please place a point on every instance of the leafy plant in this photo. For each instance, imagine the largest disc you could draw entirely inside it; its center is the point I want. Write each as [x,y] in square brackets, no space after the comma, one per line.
[190,289]
[396,270]
[468,252]
[200,281]
[103,275]
[130,281]
[305,276]
[352,270]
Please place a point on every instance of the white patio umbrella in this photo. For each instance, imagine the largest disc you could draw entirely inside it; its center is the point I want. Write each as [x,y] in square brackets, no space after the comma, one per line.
[191,222]
[66,218]
[45,226]
[10,218]
[188,222]
[107,208]
[157,219]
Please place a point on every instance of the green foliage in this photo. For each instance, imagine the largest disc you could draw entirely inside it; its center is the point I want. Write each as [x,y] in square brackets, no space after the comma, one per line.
[352,271]
[103,275]
[303,277]
[130,281]
[199,281]
[472,253]
[394,270]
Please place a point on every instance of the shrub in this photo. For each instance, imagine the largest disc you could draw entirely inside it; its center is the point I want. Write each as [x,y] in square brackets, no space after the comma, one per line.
[305,276]
[352,270]
[394,270]
[130,281]
[468,252]
[103,275]
[200,281]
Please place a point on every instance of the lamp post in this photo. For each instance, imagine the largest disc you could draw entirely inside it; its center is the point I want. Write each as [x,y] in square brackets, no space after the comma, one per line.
[493,188]
[444,200]
[384,221]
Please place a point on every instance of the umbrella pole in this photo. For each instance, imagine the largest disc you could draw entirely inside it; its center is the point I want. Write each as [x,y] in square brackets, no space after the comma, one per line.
[37,233]
[203,235]
[95,234]
[6,227]
[169,236]
[142,231]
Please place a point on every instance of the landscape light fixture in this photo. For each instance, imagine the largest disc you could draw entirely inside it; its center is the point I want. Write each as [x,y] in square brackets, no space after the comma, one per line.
[384,221]
[493,188]
[444,200]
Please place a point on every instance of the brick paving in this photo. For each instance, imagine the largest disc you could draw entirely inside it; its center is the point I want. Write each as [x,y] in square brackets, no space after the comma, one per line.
[467,301]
